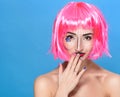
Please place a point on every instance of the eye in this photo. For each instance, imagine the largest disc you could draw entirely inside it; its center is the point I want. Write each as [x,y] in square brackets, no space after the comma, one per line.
[88,37]
[69,38]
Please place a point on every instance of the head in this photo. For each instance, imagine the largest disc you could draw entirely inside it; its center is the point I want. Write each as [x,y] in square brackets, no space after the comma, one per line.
[79,18]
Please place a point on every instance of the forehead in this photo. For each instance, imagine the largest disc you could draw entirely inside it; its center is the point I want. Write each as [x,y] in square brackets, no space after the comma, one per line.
[81,31]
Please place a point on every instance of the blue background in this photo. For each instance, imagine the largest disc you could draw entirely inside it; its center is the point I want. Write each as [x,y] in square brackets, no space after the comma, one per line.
[25,36]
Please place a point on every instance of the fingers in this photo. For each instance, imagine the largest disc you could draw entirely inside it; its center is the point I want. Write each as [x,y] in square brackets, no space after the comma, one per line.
[71,61]
[80,60]
[81,72]
[75,62]
[69,78]
[77,68]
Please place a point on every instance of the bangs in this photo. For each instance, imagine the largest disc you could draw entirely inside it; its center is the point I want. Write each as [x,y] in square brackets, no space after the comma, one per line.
[75,17]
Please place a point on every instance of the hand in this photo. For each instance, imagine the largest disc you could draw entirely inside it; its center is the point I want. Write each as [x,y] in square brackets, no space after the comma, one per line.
[69,79]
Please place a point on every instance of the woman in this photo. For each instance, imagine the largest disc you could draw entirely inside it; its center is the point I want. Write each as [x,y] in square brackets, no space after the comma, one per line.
[79,36]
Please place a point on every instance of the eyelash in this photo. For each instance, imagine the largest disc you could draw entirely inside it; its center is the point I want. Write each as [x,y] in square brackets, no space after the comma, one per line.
[88,37]
[68,38]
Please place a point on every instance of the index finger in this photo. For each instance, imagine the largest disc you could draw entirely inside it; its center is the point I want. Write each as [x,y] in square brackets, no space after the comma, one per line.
[71,61]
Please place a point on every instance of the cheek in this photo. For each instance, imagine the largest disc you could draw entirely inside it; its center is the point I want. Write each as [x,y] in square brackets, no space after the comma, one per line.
[88,46]
[69,45]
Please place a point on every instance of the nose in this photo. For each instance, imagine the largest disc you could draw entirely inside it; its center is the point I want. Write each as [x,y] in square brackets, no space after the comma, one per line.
[79,46]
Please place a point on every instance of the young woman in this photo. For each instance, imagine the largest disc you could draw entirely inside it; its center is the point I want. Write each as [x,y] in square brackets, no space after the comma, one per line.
[79,36]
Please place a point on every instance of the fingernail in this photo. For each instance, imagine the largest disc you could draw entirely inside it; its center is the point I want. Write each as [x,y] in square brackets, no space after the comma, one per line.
[84,67]
[81,58]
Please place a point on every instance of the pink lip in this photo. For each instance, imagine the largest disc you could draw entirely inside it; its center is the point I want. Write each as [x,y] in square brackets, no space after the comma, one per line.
[81,55]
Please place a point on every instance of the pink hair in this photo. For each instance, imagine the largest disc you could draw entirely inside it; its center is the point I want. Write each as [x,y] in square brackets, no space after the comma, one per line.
[73,16]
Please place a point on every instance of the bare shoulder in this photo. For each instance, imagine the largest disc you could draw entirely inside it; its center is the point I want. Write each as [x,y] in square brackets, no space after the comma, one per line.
[112,78]
[47,78]
[112,84]
[44,85]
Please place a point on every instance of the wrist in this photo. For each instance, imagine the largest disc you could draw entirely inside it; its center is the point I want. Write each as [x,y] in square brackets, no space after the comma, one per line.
[61,93]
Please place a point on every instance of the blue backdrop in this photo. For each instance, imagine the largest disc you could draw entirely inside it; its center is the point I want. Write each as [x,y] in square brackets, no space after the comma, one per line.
[25,35]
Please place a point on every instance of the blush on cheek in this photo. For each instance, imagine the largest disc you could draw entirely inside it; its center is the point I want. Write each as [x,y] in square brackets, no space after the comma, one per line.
[69,46]
[69,50]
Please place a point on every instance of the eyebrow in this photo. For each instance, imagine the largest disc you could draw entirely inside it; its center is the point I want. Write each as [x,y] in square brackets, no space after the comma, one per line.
[87,34]
[83,34]
[71,33]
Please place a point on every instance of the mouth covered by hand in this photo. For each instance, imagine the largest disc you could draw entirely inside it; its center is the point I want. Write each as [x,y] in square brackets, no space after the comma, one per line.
[81,53]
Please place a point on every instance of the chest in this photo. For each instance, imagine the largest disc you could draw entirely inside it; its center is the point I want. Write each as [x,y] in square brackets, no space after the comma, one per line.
[88,89]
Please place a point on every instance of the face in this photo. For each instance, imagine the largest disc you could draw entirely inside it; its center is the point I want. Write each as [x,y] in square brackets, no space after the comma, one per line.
[79,41]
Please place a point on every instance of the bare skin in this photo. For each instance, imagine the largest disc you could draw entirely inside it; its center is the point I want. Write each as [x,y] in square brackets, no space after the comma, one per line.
[94,82]
[72,79]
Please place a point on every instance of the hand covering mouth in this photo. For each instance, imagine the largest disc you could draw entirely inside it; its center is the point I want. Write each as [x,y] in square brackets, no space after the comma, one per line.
[81,53]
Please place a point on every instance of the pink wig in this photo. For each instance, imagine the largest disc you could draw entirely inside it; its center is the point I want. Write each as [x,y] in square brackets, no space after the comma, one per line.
[73,16]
